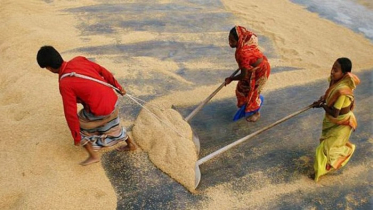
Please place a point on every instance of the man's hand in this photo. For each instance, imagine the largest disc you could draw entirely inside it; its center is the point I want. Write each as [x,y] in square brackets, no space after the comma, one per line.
[123,92]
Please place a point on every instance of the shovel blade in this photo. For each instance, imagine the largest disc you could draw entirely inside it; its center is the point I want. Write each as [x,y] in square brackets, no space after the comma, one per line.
[196,142]
[197,176]
[195,137]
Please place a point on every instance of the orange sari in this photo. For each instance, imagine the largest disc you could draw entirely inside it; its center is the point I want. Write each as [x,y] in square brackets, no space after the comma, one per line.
[247,53]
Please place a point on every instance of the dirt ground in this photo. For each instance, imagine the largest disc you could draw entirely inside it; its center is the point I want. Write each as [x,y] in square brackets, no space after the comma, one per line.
[178,51]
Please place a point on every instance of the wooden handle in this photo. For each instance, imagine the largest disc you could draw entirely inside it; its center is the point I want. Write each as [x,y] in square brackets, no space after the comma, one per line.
[203,103]
[229,146]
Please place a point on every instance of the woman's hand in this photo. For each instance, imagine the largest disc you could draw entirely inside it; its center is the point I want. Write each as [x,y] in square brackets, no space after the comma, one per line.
[228,80]
[318,103]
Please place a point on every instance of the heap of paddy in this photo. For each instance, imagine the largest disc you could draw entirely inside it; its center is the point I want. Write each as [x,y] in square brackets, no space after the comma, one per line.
[168,139]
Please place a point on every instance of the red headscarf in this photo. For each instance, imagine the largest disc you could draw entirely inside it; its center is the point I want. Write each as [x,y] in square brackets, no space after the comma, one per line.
[246,38]
[247,52]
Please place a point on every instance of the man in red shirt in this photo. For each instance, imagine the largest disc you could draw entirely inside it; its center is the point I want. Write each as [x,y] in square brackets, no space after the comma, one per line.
[97,124]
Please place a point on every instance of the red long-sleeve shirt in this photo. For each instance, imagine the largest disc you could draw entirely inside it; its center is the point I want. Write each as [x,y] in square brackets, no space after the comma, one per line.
[95,97]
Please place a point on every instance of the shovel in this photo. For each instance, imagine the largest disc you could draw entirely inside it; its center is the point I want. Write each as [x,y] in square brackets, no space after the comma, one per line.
[229,146]
[199,107]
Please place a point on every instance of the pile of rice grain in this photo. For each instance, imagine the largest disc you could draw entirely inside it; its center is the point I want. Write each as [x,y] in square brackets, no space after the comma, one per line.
[168,140]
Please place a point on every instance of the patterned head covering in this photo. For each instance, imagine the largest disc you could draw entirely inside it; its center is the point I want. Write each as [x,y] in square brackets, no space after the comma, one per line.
[344,86]
[247,50]
[246,38]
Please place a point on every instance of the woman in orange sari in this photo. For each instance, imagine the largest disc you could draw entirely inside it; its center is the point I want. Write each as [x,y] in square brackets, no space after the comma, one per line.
[335,149]
[254,72]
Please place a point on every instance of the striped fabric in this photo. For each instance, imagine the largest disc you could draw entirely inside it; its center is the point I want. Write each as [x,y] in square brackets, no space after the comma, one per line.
[101,131]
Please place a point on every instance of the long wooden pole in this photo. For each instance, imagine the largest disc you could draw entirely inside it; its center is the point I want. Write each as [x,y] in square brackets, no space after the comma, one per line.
[203,103]
[229,146]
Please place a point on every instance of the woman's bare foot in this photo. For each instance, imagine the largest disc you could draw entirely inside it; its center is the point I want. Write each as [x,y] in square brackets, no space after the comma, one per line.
[328,167]
[253,118]
[131,146]
[90,160]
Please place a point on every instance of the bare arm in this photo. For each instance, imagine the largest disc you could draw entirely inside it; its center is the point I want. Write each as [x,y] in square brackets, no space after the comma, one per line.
[331,111]
[245,73]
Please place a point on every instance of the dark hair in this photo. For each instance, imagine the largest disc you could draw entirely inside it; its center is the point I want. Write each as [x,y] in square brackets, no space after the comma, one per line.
[346,64]
[234,33]
[48,56]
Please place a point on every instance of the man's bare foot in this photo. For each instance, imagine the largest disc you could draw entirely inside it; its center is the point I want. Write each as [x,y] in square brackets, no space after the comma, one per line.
[89,161]
[125,148]
[131,146]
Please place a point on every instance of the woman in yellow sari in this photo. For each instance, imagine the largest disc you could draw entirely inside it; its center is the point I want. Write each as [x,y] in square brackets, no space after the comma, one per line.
[335,149]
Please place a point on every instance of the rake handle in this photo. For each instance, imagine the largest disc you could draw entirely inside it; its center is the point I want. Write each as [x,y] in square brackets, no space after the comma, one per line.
[203,103]
[229,146]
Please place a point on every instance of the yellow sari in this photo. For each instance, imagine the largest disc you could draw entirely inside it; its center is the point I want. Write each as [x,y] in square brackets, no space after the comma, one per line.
[335,149]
